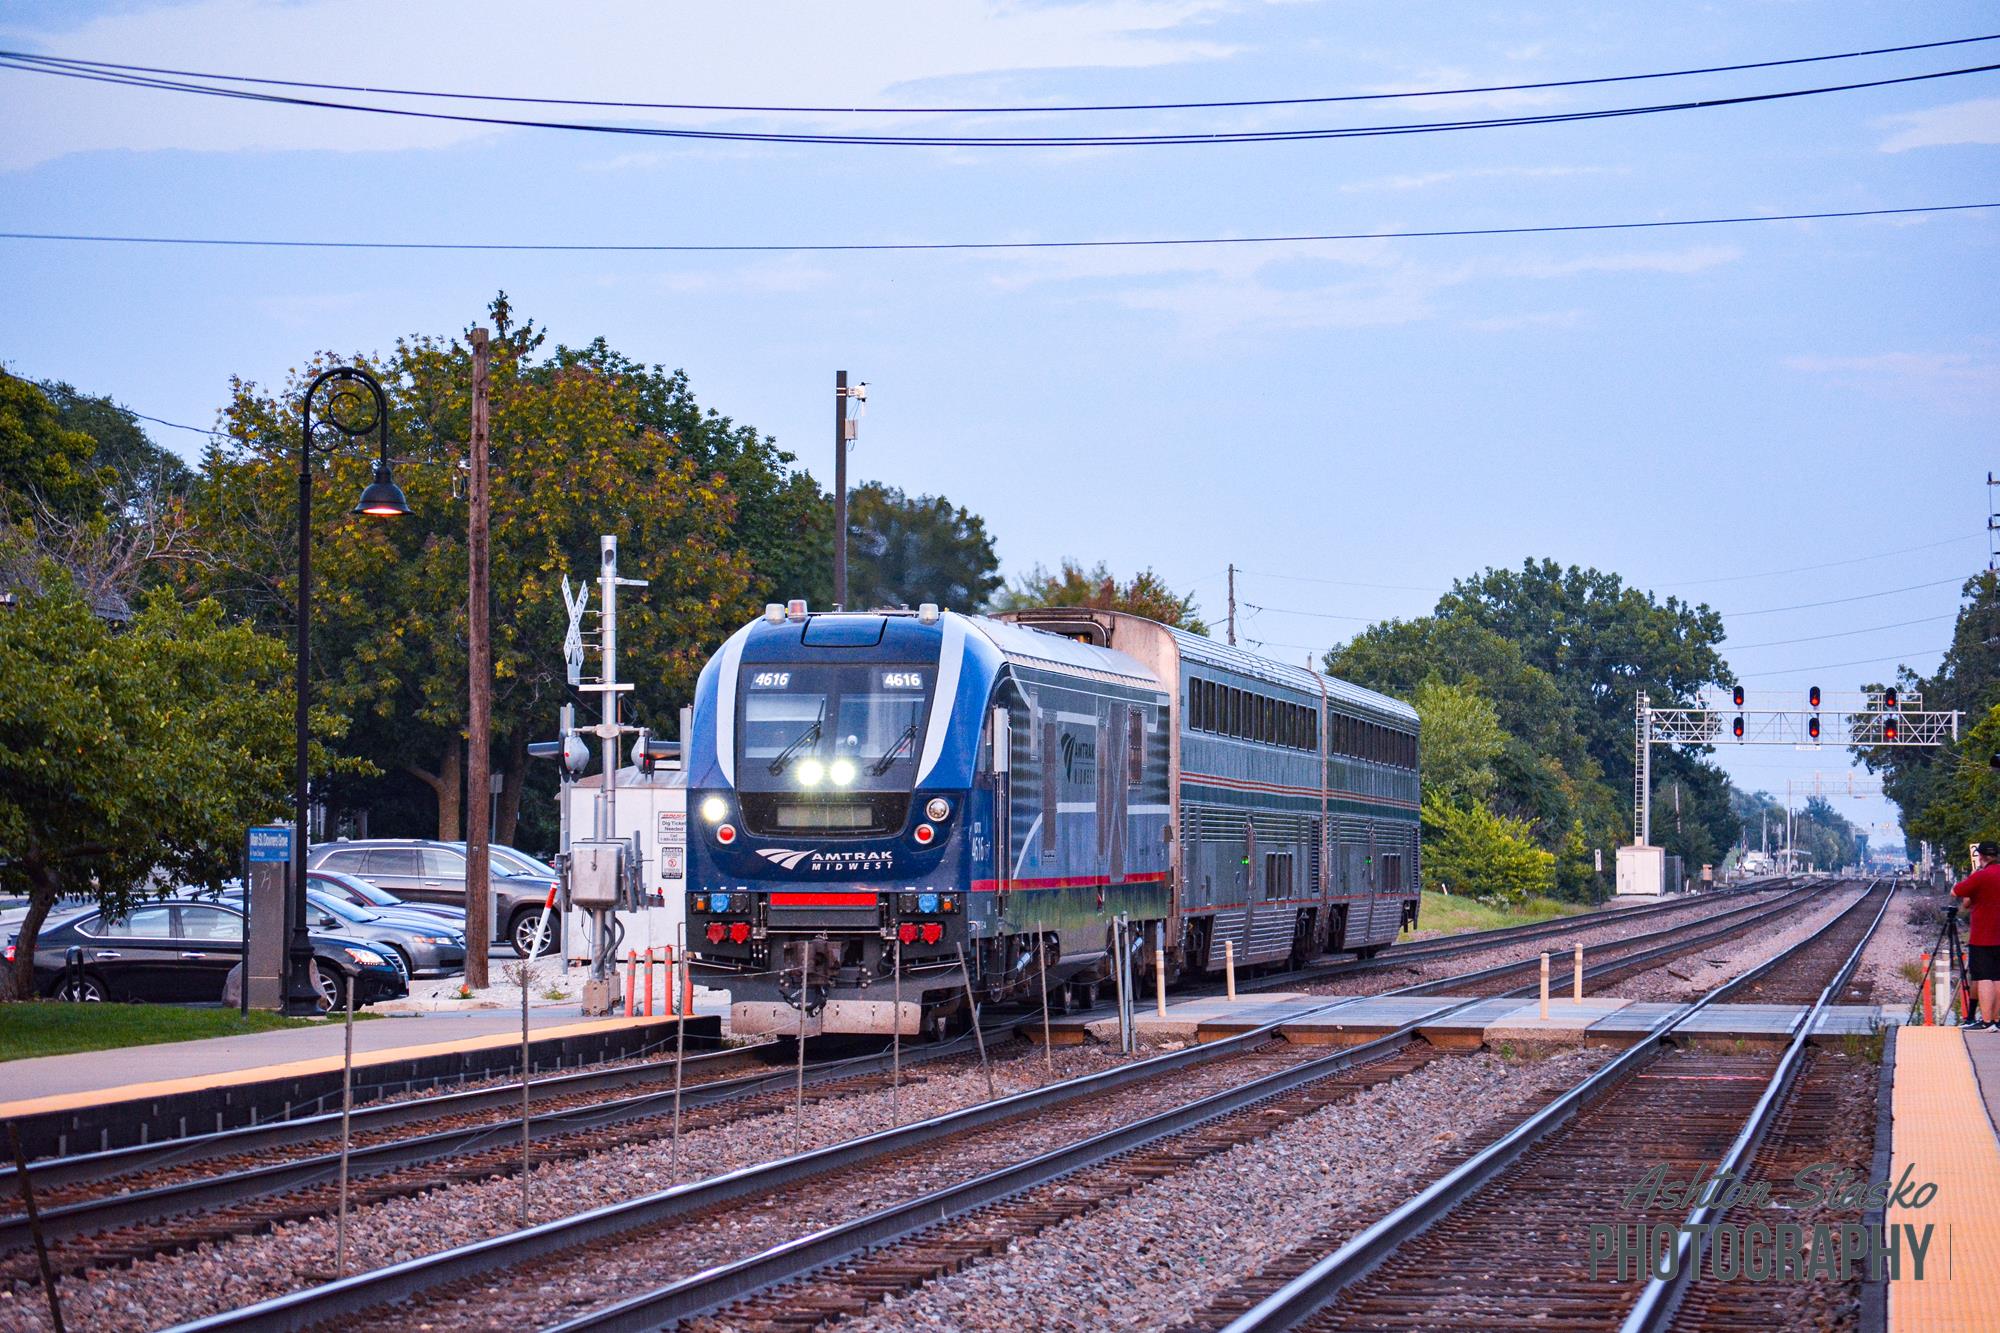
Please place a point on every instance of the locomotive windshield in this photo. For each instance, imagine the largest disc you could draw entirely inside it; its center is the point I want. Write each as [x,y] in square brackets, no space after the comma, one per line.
[823,729]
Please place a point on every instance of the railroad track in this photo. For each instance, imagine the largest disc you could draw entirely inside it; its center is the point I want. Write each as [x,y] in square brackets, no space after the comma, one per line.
[139,1202]
[453,1284]
[1456,1255]
[104,1220]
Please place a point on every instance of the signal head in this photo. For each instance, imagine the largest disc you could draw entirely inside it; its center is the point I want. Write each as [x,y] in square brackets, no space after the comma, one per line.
[1889,697]
[1889,730]
[1812,726]
[1812,696]
[1739,696]
[1737,727]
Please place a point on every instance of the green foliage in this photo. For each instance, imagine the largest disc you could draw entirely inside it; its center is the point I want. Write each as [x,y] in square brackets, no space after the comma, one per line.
[132,757]
[1145,594]
[1471,850]
[1950,794]
[44,464]
[138,475]
[904,551]
[1460,738]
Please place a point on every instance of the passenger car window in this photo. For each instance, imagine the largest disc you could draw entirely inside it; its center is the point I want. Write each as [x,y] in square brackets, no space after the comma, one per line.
[141,923]
[441,864]
[393,861]
[210,923]
[349,861]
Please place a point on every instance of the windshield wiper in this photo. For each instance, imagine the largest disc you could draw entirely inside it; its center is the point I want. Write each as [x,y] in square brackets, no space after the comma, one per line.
[881,766]
[810,736]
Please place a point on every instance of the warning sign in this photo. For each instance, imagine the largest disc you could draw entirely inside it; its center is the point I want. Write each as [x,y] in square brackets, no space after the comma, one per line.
[673,828]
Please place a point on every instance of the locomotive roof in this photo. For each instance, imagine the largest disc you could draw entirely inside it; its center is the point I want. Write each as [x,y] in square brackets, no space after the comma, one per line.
[1196,648]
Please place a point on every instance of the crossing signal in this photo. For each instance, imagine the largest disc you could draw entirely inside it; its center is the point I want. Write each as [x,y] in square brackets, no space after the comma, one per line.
[1889,730]
[1812,696]
[1812,725]
[1739,700]
[1738,728]
[1889,697]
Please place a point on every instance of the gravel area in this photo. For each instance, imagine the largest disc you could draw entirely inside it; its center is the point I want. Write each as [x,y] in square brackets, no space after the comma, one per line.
[1151,1259]
[1900,942]
[1691,977]
[1593,936]
[253,1268]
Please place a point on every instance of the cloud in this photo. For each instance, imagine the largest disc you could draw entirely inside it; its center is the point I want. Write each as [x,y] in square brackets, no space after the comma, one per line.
[1692,259]
[1959,380]
[1545,319]
[785,51]
[1974,122]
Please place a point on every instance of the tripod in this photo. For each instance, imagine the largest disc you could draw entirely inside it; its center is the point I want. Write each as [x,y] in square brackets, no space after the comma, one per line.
[1948,938]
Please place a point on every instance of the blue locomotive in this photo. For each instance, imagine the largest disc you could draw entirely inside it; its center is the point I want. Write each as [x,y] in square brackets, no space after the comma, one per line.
[892,809]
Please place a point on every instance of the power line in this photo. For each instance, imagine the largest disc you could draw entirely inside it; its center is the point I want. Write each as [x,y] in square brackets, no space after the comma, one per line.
[162,421]
[78,63]
[1840,634]
[252,242]
[1830,564]
[34,65]
[1840,601]
[1829,666]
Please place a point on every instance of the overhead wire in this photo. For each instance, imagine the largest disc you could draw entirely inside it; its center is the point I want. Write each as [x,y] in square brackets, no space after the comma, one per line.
[32,65]
[78,62]
[861,247]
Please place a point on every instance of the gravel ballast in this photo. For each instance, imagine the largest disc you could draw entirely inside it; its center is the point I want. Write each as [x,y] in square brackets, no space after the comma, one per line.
[1692,976]
[1152,1259]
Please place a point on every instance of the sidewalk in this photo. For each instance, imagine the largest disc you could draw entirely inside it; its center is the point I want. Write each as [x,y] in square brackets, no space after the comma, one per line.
[63,1082]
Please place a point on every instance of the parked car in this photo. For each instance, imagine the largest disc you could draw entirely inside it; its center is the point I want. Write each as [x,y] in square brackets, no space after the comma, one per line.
[181,951]
[363,894]
[423,871]
[418,942]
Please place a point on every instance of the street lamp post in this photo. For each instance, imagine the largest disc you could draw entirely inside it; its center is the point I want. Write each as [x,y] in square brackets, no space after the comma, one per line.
[382,499]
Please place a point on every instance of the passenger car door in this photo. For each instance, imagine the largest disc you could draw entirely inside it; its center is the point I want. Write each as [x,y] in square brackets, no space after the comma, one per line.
[136,955]
[211,943]
[444,875]
[400,871]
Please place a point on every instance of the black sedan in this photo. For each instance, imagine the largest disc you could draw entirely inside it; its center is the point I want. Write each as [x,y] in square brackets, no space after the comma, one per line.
[181,952]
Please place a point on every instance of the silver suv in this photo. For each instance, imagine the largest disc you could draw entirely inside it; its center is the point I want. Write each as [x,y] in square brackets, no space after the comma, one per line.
[422,871]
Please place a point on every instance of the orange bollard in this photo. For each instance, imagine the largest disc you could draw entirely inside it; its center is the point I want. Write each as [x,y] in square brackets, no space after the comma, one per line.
[649,981]
[687,987]
[631,979]
[1929,1018]
[670,1000]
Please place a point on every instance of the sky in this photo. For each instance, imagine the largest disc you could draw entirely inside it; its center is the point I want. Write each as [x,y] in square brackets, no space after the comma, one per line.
[1755,416]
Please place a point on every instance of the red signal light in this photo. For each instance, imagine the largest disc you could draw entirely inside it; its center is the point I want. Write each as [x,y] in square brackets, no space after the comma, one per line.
[933,932]
[1739,696]
[1812,696]
[739,932]
[1812,726]
[1889,730]
[716,932]
[725,834]
[1738,727]
[924,835]
[1889,697]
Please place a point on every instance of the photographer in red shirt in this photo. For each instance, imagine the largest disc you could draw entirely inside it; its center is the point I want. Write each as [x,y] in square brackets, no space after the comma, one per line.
[1982,890]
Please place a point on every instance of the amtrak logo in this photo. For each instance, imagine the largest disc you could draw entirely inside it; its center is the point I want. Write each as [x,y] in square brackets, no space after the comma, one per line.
[812,859]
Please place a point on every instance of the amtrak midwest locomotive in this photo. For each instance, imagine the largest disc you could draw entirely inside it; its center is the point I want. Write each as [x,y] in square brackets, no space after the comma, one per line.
[869,787]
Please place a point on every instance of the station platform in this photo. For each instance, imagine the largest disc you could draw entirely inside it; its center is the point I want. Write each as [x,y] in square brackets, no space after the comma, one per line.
[1945,1107]
[1344,1021]
[93,1100]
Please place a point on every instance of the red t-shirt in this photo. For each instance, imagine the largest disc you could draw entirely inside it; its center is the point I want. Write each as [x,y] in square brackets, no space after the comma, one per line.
[1982,889]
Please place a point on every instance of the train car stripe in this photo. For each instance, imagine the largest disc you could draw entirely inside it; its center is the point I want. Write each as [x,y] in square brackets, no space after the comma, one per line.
[1070,882]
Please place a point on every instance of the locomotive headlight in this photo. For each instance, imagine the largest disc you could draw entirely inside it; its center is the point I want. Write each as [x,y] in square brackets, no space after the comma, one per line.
[938,808]
[714,809]
[841,771]
[811,772]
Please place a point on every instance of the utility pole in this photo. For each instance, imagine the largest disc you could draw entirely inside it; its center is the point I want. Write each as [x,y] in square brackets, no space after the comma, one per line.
[479,728]
[840,437]
[1232,605]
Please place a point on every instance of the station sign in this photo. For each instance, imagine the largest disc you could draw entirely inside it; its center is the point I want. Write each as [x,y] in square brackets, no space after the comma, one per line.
[271,842]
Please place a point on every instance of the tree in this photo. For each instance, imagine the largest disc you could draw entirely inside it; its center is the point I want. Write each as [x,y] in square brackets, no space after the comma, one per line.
[1469,849]
[1460,737]
[134,756]
[904,551]
[45,466]
[138,476]
[1928,784]
[1145,594]
[1964,804]
[572,457]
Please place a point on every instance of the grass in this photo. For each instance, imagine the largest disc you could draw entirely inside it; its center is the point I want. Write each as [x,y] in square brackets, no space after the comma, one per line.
[30,1028]
[1453,914]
